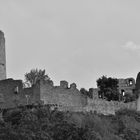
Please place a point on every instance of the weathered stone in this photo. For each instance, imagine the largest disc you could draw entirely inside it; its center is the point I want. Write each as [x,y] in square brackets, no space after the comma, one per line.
[64,84]
[94,93]
[2,57]
[137,90]
[138,82]
[13,94]
[126,86]
[61,95]
[73,86]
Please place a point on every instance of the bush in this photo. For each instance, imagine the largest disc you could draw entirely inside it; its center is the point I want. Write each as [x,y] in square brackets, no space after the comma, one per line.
[41,123]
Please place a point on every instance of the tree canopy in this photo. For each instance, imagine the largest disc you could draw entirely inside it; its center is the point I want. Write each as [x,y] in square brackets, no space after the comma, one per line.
[108,88]
[34,76]
[42,123]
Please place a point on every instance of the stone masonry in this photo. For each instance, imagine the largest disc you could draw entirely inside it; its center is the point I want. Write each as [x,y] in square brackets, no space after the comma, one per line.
[2,57]
[13,94]
[126,86]
[62,95]
[67,98]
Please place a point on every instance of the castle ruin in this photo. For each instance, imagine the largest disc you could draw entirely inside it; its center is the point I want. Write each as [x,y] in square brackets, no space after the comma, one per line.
[2,57]
[13,93]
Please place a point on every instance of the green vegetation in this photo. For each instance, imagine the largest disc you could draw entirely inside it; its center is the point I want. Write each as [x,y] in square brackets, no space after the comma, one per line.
[41,123]
[108,88]
[34,76]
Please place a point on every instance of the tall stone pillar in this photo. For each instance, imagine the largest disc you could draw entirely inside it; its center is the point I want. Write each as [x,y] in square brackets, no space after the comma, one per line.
[138,91]
[2,57]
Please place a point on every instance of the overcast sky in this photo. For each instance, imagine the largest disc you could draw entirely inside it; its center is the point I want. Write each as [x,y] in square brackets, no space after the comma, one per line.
[74,40]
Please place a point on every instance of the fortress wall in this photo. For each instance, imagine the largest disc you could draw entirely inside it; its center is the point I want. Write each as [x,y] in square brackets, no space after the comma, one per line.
[108,107]
[100,106]
[70,99]
[126,85]
[31,95]
[67,99]
[12,93]
[62,95]
[8,92]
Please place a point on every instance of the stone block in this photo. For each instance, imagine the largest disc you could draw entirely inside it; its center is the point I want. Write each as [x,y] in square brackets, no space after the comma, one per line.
[73,86]
[64,84]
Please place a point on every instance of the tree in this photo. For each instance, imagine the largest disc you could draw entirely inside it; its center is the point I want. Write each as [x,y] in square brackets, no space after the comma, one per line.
[108,88]
[34,76]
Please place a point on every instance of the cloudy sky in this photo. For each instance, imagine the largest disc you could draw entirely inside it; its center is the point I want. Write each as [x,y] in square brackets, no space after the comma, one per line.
[75,40]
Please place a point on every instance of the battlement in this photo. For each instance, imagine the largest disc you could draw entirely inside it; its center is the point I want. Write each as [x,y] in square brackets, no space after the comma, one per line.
[12,94]
[62,94]
[73,86]
[68,97]
[64,84]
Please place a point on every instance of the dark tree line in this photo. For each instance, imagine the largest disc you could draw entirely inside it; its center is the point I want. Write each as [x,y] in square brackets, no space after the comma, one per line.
[108,88]
[41,123]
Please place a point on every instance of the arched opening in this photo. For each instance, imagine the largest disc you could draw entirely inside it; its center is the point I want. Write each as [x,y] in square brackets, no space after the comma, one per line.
[123,95]
[130,82]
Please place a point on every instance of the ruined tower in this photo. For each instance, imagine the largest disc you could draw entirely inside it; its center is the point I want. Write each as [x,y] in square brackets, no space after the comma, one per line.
[2,57]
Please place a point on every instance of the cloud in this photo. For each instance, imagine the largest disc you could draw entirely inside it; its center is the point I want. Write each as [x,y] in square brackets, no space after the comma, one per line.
[130,45]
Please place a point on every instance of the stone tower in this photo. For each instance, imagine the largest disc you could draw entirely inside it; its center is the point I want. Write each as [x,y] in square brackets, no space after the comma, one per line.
[138,91]
[2,57]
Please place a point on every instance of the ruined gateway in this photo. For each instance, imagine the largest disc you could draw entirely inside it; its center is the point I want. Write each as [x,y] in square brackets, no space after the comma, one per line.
[13,93]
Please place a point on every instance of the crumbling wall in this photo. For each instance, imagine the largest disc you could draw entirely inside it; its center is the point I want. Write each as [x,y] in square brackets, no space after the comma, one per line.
[62,95]
[13,94]
[9,96]
[108,107]
[30,95]
[68,98]
[100,106]
[126,86]
[72,100]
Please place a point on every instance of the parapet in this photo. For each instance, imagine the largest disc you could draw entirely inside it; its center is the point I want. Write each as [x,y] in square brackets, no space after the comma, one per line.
[73,86]
[64,84]
[11,81]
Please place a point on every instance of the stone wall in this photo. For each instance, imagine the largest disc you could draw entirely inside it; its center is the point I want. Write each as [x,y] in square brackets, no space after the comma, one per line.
[30,95]
[9,93]
[100,106]
[126,86]
[70,99]
[66,98]
[13,94]
[108,107]
[62,95]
